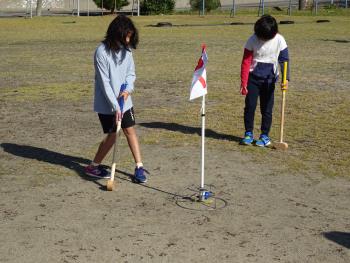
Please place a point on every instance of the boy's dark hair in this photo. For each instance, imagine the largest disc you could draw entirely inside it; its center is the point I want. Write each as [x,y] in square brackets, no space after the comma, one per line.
[266,27]
[117,31]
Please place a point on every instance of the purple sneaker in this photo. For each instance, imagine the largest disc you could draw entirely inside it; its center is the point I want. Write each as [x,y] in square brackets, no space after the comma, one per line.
[97,172]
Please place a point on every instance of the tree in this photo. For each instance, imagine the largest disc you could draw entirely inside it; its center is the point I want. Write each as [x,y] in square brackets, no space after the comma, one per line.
[302,4]
[156,7]
[209,4]
[111,4]
[39,7]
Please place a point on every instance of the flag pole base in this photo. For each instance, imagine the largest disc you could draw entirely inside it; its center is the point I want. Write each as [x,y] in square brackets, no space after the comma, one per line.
[205,195]
[200,199]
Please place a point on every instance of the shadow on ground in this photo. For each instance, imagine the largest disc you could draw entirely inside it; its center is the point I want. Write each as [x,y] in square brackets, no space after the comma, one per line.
[128,176]
[40,154]
[341,238]
[337,40]
[189,130]
[71,162]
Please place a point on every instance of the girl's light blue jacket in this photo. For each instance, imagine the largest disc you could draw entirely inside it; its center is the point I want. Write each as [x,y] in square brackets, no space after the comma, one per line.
[112,71]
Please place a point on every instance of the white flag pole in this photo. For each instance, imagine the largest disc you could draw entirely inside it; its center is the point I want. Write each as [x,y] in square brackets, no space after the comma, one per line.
[203,141]
[199,89]
[78,8]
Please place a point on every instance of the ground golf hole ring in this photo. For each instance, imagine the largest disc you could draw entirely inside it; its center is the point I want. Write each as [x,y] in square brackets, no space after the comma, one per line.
[192,203]
[190,200]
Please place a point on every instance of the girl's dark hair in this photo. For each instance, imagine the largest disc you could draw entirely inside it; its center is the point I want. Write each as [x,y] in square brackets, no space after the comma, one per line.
[266,27]
[117,31]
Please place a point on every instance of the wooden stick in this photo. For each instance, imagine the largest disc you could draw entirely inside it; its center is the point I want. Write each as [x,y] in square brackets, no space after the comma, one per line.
[110,182]
[282,145]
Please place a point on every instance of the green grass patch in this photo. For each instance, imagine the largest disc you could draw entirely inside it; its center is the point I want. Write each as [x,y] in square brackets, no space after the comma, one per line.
[58,91]
[52,58]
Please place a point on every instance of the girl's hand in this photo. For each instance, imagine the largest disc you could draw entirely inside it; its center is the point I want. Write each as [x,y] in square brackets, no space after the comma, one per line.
[125,95]
[244,90]
[118,116]
[284,86]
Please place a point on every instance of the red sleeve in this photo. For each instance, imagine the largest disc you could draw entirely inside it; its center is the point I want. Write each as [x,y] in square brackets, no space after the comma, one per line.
[245,67]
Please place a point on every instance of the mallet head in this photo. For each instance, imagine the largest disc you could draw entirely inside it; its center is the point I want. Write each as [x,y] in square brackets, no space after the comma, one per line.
[110,185]
[280,145]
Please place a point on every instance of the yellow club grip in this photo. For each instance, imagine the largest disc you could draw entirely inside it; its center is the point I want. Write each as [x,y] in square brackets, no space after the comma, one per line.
[285,66]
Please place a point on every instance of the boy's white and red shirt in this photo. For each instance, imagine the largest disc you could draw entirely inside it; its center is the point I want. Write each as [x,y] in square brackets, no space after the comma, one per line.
[261,58]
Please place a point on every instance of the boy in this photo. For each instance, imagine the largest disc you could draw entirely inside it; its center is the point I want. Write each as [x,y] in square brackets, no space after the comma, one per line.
[264,50]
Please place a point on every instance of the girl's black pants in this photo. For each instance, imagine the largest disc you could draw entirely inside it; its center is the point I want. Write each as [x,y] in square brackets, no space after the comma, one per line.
[263,88]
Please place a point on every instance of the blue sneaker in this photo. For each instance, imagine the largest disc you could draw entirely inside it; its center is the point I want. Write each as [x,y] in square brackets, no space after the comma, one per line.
[139,176]
[263,141]
[248,138]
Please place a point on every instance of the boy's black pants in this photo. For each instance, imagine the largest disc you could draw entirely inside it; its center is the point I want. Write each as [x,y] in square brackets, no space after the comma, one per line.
[265,90]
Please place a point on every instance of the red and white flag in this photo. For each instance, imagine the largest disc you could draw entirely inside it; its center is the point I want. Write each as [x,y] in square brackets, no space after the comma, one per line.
[199,81]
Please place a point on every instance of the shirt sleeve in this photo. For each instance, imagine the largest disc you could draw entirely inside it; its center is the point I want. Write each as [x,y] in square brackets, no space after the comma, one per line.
[283,43]
[130,75]
[102,74]
[250,43]
[245,67]
[284,56]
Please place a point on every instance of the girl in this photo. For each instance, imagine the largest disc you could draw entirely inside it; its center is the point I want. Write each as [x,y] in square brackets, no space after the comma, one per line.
[114,81]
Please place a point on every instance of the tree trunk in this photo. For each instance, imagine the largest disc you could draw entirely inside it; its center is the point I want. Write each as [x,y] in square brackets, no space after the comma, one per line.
[303,4]
[39,7]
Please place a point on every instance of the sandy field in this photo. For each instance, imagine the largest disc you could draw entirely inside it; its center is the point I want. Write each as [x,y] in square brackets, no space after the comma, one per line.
[259,215]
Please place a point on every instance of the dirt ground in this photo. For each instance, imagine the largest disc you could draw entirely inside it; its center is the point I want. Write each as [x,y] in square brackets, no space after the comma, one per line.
[50,212]
[269,206]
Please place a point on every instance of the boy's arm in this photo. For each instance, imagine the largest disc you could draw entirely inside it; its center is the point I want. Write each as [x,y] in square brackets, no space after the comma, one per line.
[103,74]
[283,57]
[245,68]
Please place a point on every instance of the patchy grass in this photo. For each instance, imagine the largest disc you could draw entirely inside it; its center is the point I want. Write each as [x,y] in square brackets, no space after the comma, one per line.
[52,91]
[51,58]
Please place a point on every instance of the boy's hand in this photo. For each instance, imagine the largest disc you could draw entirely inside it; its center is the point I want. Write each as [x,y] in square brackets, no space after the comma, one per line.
[125,95]
[284,86]
[244,90]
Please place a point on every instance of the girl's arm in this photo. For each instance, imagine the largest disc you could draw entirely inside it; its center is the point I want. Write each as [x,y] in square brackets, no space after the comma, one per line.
[130,75]
[245,68]
[102,73]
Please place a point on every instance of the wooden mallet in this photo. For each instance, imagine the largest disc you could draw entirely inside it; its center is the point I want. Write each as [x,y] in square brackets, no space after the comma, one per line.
[110,182]
[282,145]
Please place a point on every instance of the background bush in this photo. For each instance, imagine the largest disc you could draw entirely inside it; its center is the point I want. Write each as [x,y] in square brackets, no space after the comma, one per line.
[209,4]
[156,7]
[109,4]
